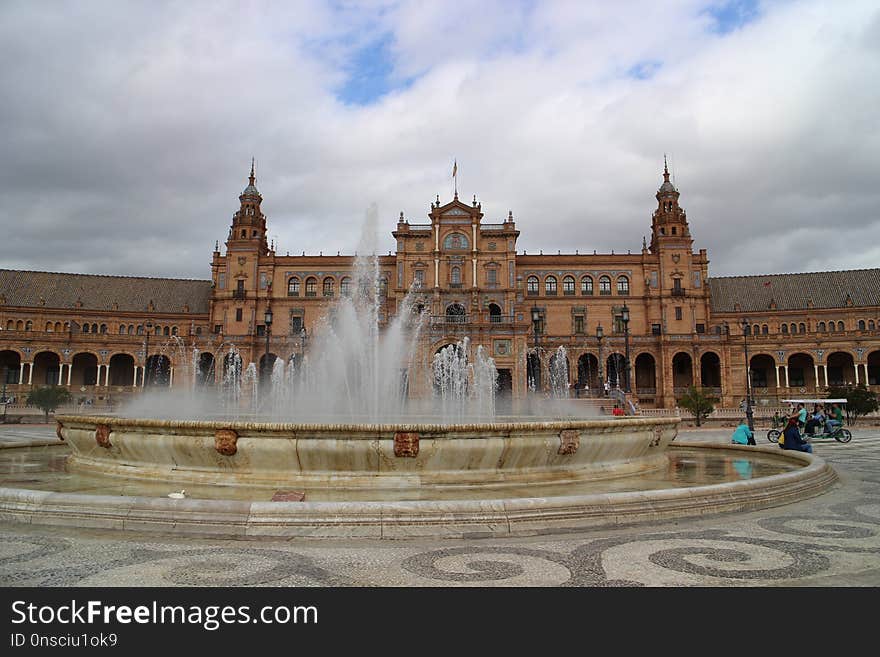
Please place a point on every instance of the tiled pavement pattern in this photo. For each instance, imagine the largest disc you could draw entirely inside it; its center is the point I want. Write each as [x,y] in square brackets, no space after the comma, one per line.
[832,540]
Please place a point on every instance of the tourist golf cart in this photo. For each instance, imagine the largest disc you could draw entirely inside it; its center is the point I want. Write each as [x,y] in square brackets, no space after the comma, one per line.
[840,434]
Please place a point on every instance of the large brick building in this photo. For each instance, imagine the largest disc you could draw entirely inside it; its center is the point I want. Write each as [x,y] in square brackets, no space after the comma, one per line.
[107,336]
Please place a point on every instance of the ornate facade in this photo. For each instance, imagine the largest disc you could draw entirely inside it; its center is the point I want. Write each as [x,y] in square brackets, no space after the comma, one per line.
[107,337]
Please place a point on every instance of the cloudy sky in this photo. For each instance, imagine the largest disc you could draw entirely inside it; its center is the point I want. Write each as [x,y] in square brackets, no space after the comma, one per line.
[127,128]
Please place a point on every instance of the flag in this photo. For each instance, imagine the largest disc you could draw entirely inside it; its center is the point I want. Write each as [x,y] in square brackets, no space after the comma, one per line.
[766,283]
[454,168]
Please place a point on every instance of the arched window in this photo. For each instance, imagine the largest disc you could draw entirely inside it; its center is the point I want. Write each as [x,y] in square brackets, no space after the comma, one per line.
[58,327]
[293,287]
[94,328]
[532,286]
[29,326]
[122,329]
[455,313]
[870,324]
[173,330]
[49,327]
[756,330]
[861,325]
[840,326]
[604,285]
[140,329]
[10,325]
[166,331]
[383,287]
[345,286]
[586,285]
[793,328]
[103,328]
[765,329]
[831,326]
[623,285]
[86,328]
[802,328]
[550,286]
[821,327]
[784,328]
[131,329]
[329,287]
[19,325]
[311,286]
[568,285]
[455,276]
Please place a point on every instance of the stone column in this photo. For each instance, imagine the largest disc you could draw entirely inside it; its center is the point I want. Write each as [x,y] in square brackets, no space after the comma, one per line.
[135,382]
[776,367]
[69,373]
[30,373]
[106,375]
[171,375]
[21,375]
[785,371]
[816,369]
[857,373]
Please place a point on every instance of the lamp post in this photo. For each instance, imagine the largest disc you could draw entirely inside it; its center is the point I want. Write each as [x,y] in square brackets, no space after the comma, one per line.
[147,328]
[599,335]
[624,317]
[749,415]
[536,362]
[267,319]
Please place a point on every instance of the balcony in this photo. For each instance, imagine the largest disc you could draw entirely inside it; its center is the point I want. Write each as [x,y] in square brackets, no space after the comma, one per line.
[239,294]
[448,319]
[455,286]
[677,292]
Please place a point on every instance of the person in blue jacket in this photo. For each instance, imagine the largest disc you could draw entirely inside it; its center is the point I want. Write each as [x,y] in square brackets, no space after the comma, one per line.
[742,435]
[792,438]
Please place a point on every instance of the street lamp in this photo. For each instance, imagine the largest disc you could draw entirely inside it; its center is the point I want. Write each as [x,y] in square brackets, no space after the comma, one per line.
[599,335]
[148,327]
[267,319]
[749,416]
[535,360]
[624,317]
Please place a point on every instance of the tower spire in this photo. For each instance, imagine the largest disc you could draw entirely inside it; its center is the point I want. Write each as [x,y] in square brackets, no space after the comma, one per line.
[251,178]
[665,169]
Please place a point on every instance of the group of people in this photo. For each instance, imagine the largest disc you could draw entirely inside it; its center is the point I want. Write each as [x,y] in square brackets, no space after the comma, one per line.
[798,421]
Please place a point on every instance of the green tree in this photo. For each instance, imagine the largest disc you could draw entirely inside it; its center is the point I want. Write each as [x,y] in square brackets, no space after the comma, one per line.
[48,398]
[698,402]
[859,400]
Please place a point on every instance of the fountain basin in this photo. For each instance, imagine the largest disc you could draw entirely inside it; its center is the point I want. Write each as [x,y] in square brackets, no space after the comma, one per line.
[357,456]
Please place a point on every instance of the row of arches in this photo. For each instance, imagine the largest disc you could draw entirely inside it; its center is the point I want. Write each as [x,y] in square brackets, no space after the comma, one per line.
[800,370]
[87,327]
[309,288]
[533,285]
[794,328]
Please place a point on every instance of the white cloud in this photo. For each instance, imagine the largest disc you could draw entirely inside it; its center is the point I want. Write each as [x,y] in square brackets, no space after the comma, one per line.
[127,130]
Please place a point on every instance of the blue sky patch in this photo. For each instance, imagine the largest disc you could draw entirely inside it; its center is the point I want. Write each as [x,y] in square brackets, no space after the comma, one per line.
[644,70]
[732,15]
[370,74]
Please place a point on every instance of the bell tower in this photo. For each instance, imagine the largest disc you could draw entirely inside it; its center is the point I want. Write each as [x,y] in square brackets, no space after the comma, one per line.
[669,226]
[248,231]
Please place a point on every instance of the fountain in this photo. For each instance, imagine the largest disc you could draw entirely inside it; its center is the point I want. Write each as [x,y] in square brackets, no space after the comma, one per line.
[370,459]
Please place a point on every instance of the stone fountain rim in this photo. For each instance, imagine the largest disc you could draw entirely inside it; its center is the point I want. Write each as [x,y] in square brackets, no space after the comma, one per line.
[554,425]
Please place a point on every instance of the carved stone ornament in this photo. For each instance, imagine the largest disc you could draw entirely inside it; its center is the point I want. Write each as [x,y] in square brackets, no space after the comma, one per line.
[658,435]
[226,441]
[58,433]
[569,441]
[406,444]
[242,260]
[675,258]
[102,435]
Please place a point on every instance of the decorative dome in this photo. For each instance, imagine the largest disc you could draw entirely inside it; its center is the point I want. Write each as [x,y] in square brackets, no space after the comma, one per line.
[251,189]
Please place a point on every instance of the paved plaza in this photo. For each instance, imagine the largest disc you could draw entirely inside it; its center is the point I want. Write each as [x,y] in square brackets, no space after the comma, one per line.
[830,540]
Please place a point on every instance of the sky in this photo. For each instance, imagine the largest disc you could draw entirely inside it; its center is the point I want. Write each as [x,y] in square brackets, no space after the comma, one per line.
[127,128]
